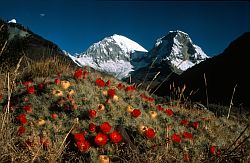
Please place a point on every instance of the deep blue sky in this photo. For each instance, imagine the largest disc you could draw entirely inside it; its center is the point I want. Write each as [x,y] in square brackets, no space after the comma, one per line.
[76,24]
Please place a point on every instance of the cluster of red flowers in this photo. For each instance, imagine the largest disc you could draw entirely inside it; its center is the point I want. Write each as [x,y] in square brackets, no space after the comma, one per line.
[186,123]
[29,87]
[147,98]
[23,120]
[136,113]
[82,144]
[99,82]
[79,73]
[214,151]
[100,139]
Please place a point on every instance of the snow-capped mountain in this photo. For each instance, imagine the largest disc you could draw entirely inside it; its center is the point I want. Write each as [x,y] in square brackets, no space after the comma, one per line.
[120,56]
[177,50]
[116,55]
[12,21]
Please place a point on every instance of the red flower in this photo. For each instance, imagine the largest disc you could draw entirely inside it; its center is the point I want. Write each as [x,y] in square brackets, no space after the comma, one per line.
[79,137]
[101,139]
[92,113]
[111,93]
[176,138]
[136,113]
[186,156]
[85,74]
[92,127]
[74,107]
[147,98]
[21,130]
[22,118]
[143,96]
[150,99]
[25,99]
[105,127]
[57,81]
[169,112]
[184,122]
[195,125]
[83,146]
[54,116]
[99,82]
[150,133]
[31,89]
[44,142]
[115,137]
[40,86]
[120,86]
[1,97]
[27,83]
[187,135]
[159,107]
[78,73]
[108,83]
[212,149]
[130,88]
[28,108]
[218,152]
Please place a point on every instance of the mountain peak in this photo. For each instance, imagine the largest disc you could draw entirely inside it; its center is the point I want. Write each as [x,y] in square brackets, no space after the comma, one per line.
[12,21]
[177,49]
[113,54]
[178,32]
[127,44]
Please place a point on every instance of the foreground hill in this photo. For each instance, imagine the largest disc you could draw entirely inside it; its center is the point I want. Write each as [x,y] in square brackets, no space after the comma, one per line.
[85,116]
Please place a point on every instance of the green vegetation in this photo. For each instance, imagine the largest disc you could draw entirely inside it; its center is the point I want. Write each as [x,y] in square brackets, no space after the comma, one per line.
[60,114]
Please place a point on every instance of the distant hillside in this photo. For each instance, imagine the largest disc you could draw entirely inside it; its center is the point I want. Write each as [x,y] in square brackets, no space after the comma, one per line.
[223,72]
[17,41]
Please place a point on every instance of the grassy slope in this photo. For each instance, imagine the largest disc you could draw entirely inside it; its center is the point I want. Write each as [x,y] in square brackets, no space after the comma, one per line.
[52,139]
